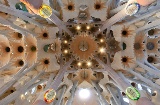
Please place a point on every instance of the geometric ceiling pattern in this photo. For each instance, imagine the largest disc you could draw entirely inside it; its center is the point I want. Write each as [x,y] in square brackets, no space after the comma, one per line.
[51,50]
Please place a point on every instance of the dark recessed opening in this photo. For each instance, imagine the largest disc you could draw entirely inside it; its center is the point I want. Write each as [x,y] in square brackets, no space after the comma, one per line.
[133,84]
[12,91]
[124,59]
[150,59]
[97,6]
[137,46]
[46,62]
[124,32]
[124,46]
[151,32]
[150,46]
[39,87]
[20,49]
[33,48]
[123,93]
[154,94]
[8,49]
[45,35]
[19,35]
[70,7]
[21,63]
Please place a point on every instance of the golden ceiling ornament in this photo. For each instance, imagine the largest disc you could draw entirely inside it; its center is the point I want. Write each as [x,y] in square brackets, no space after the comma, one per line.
[15,36]
[84,75]
[113,45]
[18,49]
[152,46]
[43,34]
[70,6]
[153,59]
[5,52]
[139,45]
[55,47]
[122,31]
[45,62]
[127,62]
[31,49]
[99,5]
[18,62]
[127,31]
[83,46]
[123,62]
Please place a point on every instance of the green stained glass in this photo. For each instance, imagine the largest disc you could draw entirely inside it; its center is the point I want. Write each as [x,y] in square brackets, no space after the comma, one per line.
[21,6]
[132,93]
[46,48]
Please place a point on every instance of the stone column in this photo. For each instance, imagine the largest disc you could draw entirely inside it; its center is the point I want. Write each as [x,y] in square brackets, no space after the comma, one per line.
[144,101]
[22,90]
[104,102]
[120,82]
[117,101]
[55,84]
[61,95]
[73,90]
[16,77]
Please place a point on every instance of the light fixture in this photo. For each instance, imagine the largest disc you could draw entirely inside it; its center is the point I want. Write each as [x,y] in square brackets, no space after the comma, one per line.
[22,97]
[79,64]
[89,63]
[102,50]
[88,27]
[65,51]
[78,27]
[84,93]
[65,42]
[101,40]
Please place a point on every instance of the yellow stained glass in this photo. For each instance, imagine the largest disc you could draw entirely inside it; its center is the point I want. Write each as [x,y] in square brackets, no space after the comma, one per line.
[45,11]
[49,95]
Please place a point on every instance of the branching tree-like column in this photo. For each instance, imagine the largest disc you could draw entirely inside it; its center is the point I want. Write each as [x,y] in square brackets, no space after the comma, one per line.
[55,84]
[20,74]
[9,24]
[113,95]
[120,82]
[99,93]
[61,95]
[73,90]
[9,84]
[35,5]
[17,93]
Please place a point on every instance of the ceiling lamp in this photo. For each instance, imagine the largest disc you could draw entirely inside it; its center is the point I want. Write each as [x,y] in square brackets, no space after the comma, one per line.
[89,63]
[79,64]
[88,27]
[102,50]
[78,27]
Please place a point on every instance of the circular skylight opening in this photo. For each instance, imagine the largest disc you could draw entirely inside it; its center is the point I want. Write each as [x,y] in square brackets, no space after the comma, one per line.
[84,93]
